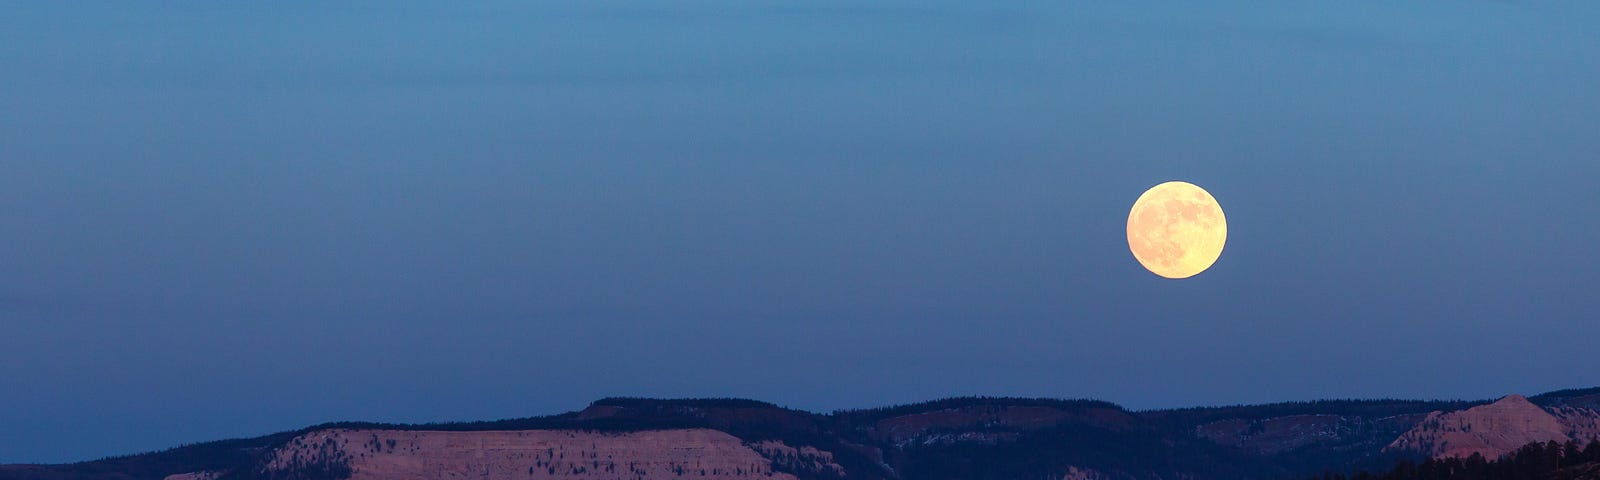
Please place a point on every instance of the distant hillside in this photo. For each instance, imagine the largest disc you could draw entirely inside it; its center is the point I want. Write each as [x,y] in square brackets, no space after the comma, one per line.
[958,438]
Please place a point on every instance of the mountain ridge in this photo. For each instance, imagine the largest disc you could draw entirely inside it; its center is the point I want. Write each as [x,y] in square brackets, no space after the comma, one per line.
[958,437]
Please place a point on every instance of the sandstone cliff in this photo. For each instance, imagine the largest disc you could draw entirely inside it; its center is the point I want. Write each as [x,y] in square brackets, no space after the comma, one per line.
[531,454]
[1490,430]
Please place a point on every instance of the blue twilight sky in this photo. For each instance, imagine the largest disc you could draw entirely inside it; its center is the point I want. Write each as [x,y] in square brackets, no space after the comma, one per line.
[221,219]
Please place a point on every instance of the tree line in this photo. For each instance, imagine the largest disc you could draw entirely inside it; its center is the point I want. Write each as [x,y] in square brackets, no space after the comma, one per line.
[1534,461]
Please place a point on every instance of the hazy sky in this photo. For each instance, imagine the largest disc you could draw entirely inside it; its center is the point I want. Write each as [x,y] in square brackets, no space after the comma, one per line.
[230,220]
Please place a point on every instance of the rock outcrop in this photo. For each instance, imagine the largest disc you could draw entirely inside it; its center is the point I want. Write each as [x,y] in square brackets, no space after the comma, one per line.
[1075,473]
[528,454]
[1583,424]
[1490,430]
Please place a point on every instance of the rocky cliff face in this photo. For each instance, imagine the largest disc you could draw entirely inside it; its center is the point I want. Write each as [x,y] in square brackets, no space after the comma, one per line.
[1075,473]
[1490,430]
[534,454]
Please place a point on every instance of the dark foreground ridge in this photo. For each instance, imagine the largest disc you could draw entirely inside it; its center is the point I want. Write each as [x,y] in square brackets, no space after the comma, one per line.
[957,438]
[1534,461]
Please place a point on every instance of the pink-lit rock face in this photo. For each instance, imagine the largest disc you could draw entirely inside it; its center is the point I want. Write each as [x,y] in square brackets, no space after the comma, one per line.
[1490,430]
[532,454]
[1583,424]
[805,458]
[1075,473]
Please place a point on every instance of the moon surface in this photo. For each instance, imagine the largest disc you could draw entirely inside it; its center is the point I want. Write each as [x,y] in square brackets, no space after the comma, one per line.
[1176,230]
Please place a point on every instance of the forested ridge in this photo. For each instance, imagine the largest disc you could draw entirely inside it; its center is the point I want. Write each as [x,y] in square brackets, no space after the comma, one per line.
[1535,461]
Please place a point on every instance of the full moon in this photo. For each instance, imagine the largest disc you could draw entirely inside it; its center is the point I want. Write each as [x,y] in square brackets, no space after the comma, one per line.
[1176,230]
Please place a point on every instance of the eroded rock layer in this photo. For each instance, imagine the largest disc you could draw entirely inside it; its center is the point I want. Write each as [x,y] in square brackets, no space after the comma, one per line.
[524,455]
[1490,430]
